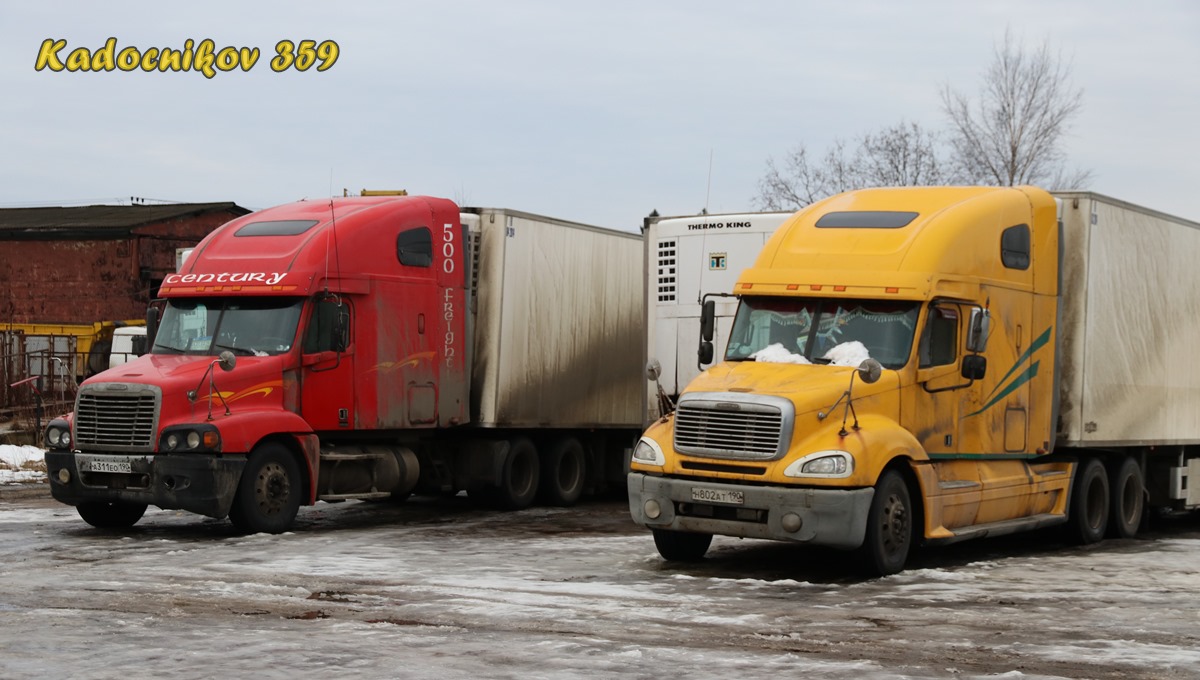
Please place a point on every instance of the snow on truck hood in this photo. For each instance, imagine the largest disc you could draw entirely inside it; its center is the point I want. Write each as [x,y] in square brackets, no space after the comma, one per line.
[850,353]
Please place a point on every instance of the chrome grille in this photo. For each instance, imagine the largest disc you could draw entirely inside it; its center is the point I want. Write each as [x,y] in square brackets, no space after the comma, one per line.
[106,419]
[737,426]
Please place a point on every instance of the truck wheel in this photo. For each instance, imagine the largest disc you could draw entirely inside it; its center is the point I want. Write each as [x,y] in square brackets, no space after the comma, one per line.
[1126,500]
[563,473]
[889,527]
[98,357]
[268,494]
[111,515]
[1089,503]
[519,478]
[681,546]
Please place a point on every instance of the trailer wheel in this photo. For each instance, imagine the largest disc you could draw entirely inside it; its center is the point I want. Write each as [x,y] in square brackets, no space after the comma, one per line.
[681,546]
[564,471]
[111,515]
[519,478]
[268,494]
[1089,503]
[889,534]
[1126,501]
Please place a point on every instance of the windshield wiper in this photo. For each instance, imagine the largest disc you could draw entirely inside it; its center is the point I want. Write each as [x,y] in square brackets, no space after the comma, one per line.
[174,350]
[239,350]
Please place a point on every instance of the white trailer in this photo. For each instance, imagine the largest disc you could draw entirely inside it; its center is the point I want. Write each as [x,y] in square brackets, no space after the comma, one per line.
[686,258]
[558,326]
[1130,320]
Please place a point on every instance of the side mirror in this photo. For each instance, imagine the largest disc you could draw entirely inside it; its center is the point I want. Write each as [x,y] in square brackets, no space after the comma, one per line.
[708,316]
[226,360]
[869,371]
[974,367]
[653,370]
[706,352]
[979,329]
[151,325]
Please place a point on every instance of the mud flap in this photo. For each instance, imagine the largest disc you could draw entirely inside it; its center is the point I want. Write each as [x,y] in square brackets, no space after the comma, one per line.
[480,463]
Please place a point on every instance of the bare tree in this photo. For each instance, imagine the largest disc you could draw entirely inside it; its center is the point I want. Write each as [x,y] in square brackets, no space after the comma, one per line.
[1014,133]
[902,155]
[899,156]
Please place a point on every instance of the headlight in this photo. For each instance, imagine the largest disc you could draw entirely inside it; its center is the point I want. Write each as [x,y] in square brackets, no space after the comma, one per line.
[58,434]
[198,438]
[647,452]
[827,464]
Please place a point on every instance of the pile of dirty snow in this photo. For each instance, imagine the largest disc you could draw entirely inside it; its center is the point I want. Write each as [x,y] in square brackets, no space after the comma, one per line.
[21,464]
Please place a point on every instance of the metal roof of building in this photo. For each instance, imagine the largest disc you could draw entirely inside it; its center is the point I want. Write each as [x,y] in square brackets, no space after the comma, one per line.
[45,222]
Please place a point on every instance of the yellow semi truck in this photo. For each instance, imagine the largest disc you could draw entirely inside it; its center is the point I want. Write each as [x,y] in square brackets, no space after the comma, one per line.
[926,365]
[67,351]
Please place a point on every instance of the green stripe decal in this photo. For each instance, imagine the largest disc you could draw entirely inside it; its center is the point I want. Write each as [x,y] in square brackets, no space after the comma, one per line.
[1004,388]
[983,456]
[1025,377]
[1037,344]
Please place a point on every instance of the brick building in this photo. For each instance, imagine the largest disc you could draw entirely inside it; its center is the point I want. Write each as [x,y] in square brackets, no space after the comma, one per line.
[95,263]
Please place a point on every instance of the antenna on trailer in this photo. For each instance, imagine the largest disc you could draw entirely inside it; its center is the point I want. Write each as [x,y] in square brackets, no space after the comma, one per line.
[708,186]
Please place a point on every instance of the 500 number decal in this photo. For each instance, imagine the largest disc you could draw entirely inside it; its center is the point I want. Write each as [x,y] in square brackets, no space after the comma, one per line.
[202,56]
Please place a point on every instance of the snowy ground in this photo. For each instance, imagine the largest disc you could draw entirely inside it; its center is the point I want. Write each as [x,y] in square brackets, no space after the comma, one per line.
[21,464]
[438,589]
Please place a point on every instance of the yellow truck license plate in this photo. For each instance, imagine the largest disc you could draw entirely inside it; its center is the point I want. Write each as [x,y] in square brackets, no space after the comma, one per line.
[703,495]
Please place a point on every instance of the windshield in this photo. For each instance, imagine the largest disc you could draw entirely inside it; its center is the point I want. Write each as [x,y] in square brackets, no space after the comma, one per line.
[244,326]
[822,330]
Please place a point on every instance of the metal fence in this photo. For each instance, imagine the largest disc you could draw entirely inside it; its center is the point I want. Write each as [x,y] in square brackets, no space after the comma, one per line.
[35,386]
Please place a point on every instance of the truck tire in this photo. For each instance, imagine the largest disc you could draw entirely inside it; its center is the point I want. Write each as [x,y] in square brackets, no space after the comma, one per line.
[111,515]
[564,471]
[1088,520]
[1126,499]
[889,534]
[681,546]
[268,494]
[98,357]
[518,478]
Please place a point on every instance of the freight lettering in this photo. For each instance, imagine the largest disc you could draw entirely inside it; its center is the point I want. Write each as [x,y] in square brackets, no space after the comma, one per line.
[718,225]
[266,279]
[448,316]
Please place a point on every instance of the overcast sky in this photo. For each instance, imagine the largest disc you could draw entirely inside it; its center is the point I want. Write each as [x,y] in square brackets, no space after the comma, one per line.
[595,112]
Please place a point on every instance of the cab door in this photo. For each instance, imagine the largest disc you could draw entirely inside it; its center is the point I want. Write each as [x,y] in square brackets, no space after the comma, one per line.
[937,399]
[933,414]
[327,399]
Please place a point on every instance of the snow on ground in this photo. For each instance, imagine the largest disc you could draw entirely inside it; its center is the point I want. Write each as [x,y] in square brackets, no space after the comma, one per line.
[21,464]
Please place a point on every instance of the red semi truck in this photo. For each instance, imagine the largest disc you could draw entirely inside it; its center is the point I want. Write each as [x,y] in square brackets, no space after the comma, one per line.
[368,348]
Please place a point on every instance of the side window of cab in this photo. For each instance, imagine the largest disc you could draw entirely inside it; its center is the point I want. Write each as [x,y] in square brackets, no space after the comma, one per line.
[414,247]
[939,341]
[328,328]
